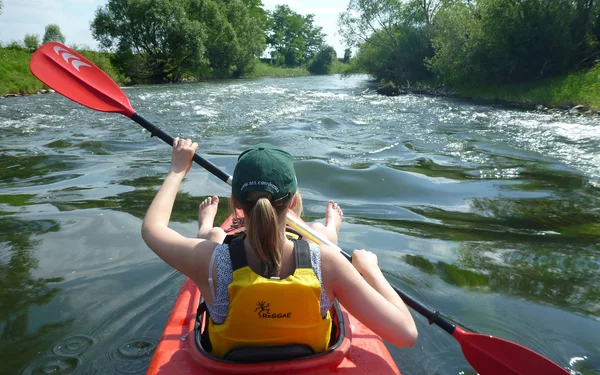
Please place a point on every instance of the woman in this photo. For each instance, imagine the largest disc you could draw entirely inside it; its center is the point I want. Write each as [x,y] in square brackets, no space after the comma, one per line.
[280,289]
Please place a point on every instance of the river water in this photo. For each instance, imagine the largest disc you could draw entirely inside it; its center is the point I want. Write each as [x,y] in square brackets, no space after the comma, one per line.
[488,214]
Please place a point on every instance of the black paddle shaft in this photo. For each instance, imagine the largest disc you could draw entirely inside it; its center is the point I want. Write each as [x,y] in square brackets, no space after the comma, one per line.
[434,317]
[157,132]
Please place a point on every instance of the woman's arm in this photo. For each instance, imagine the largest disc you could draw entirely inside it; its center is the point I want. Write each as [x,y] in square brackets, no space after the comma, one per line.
[184,254]
[371,299]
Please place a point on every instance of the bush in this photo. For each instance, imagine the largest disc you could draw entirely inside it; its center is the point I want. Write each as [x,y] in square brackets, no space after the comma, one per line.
[323,62]
[500,41]
[14,45]
[32,42]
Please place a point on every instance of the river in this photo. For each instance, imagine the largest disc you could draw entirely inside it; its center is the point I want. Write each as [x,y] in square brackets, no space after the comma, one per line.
[490,215]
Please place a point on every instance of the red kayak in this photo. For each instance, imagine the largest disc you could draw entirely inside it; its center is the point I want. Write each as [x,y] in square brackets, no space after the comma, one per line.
[357,350]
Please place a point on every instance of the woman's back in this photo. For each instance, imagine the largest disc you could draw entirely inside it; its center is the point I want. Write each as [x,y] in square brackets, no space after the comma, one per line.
[264,188]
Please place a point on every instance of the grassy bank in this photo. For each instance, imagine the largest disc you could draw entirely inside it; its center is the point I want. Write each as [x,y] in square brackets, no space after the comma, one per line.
[266,70]
[262,69]
[15,77]
[339,67]
[567,91]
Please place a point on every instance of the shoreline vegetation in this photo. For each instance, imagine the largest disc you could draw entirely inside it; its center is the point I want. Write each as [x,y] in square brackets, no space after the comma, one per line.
[533,54]
[576,93]
[17,80]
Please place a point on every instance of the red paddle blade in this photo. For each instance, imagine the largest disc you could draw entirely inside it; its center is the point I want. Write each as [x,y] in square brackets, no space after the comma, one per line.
[78,79]
[494,356]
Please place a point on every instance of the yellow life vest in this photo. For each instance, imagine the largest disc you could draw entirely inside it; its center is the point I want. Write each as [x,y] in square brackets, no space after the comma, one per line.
[268,312]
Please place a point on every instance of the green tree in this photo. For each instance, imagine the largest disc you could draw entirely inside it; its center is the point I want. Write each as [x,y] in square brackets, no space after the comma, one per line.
[347,55]
[294,38]
[257,12]
[497,41]
[323,61]
[31,41]
[53,34]
[15,45]
[393,37]
[158,35]
[235,37]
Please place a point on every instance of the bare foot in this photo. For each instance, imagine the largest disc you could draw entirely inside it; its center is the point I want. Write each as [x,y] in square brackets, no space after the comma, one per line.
[206,215]
[333,216]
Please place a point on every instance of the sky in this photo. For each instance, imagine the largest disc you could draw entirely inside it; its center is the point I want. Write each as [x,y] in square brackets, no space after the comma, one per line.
[20,17]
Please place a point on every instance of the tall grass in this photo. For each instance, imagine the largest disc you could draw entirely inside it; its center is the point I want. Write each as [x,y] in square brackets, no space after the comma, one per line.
[573,89]
[262,69]
[15,77]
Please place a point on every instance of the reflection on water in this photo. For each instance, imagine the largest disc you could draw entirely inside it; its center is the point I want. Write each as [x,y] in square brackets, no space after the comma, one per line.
[489,215]
[20,290]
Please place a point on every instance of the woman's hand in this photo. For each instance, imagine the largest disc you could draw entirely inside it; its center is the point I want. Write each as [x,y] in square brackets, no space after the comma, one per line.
[181,158]
[364,261]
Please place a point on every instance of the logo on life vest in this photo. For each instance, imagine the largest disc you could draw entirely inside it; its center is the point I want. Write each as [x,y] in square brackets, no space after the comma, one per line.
[265,312]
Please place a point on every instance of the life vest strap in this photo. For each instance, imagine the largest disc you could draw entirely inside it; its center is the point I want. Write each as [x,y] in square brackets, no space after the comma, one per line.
[237,253]
[302,251]
[239,260]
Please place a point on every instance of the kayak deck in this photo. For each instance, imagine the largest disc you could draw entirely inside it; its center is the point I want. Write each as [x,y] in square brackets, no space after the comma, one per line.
[361,352]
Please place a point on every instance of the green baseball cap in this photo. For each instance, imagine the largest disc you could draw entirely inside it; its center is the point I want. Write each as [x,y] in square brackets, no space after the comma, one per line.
[264,167]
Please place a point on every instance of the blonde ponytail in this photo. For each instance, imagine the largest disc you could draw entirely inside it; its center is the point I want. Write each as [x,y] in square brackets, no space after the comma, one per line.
[262,226]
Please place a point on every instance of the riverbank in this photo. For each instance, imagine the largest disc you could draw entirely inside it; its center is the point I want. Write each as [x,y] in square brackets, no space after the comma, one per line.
[577,93]
[15,77]
[17,80]
[579,90]
[262,69]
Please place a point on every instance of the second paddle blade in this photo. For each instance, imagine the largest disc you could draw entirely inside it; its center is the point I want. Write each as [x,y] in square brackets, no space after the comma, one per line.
[494,356]
[78,79]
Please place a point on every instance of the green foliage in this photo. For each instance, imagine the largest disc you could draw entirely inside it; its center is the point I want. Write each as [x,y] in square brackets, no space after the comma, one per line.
[15,77]
[257,13]
[53,34]
[393,38]
[469,42]
[339,67]
[14,45]
[234,35]
[167,41]
[31,41]
[103,61]
[499,41]
[262,69]
[323,61]
[293,37]
[573,89]
[347,55]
